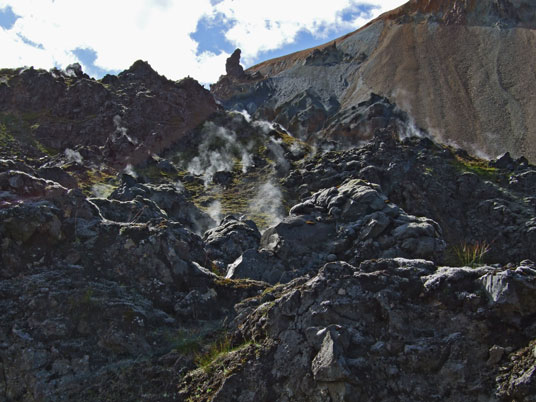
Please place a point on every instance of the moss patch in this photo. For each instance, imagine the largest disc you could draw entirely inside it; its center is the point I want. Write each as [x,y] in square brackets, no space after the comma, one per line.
[97,183]
[17,136]
[477,166]
[239,283]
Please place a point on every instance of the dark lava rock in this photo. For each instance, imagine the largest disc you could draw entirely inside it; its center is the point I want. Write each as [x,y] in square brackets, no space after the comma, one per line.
[222,178]
[80,293]
[231,238]
[133,116]
[471,201]
[352,222]
[121,299]
[337,334]
[165,199]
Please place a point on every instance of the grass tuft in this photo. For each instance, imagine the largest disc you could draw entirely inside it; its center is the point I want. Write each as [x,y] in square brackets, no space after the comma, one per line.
[471,255]
[220,347]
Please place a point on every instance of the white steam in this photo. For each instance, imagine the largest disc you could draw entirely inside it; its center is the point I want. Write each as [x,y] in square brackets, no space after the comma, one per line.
[214,211]
[473,149]
[244,114]
[268,203]
[121,131]
[246,161]
[73,156]
[220,151]
[179,186]
[296,149]
[410,129]
[102,190]
[264,126]
[279,153]
[130,171]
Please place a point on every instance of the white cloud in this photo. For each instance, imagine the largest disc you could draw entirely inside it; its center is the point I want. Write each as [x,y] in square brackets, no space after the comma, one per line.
[122,31]
[264,26]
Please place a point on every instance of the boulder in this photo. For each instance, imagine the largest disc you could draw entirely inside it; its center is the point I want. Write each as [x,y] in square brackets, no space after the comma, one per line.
[227,241]
[170,199]
[260,265]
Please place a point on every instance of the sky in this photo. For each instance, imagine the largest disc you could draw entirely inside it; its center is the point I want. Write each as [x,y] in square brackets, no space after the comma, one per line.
[176,37]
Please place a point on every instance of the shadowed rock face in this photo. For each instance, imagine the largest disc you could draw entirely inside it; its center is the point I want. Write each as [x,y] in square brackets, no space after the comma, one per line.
[450,64]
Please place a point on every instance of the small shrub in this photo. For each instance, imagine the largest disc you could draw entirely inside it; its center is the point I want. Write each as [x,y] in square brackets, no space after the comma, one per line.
[220,347]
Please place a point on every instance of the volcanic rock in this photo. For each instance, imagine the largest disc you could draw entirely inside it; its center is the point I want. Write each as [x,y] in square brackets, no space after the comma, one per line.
[130,117]
[340,333]
[233,67]
[383,266]
[227,241]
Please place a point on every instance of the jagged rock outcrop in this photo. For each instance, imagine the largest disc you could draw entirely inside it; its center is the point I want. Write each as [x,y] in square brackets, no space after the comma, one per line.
[227,241]
[233,67]
[352,222]
[129,116]
[459,68]
[155,200]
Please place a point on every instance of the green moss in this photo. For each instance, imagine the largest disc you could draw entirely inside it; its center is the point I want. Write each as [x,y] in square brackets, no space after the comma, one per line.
[272,289]
[153,173]
[17,133]
[44,149]
[236,199]
[97,183]
[238,283]
[289,140]
[477,166]
[220,347]
[6,138]
[217,354]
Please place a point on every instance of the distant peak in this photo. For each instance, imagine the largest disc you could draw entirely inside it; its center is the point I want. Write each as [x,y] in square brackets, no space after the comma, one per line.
[141,70]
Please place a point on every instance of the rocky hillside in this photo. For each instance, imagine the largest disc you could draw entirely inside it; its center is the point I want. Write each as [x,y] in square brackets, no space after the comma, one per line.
[462,69]
[157,246]
[118,120]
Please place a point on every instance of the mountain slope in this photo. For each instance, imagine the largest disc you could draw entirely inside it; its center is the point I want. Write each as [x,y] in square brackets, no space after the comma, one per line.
[462,69]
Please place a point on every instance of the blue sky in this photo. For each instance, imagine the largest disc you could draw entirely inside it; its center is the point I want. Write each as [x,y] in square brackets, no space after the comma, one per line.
[177,38]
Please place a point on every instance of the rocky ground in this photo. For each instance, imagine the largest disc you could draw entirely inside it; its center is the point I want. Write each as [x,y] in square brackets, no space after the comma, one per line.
[156,247]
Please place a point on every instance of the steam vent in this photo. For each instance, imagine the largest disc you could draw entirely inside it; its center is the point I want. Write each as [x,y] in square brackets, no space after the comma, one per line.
[351,222]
